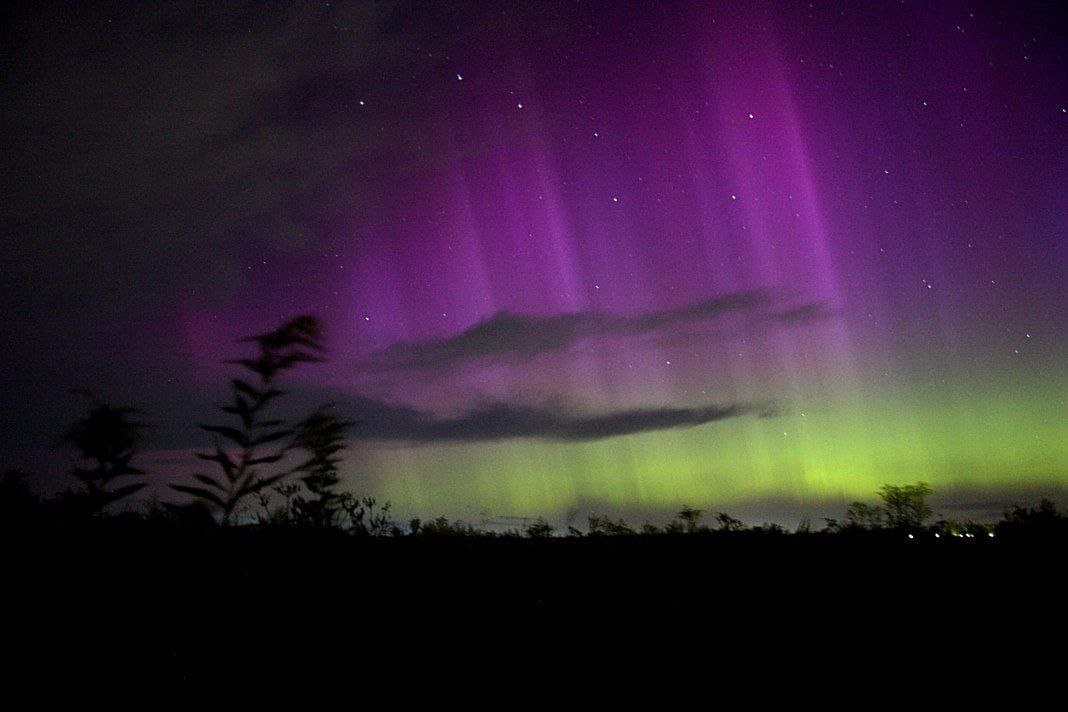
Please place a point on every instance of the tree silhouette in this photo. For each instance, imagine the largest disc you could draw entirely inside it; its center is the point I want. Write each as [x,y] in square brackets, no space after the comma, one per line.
[108,437]
[241,474]
[861,515]
[689,518]
[904,505]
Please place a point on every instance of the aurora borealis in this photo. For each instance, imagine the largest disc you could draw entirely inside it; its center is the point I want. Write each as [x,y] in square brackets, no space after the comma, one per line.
[617,257]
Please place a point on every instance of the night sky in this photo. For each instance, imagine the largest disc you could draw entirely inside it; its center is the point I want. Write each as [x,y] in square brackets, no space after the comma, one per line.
[760,257]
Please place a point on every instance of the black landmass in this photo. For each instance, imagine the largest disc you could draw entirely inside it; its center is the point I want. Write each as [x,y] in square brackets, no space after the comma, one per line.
[122,602]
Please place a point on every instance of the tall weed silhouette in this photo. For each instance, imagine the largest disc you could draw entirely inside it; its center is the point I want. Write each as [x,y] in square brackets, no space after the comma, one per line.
[255,442]
[107,437]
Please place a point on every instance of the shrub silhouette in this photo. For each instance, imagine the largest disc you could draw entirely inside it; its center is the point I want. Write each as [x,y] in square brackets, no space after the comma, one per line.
[18,505]
[727,523]
[1044,520]
[108,438]
[539,529]
[295,342]
[604,526]
[443,527]
[321,436]
[950,527]
[365,517]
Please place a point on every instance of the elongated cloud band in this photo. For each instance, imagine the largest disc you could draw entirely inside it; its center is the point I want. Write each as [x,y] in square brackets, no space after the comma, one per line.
[382,421]
[507,334]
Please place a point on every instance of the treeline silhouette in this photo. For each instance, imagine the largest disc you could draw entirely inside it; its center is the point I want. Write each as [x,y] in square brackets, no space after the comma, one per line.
[270,568]
[313,503]
[273,472]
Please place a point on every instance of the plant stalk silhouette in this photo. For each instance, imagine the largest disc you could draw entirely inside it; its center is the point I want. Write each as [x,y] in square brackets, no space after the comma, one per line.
[107,436]
[241,473]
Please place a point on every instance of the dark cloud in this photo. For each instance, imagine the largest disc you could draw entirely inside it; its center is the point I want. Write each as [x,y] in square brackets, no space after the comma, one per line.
[497,421]
[813,311]
[506,334]
[502,334]
[153,153]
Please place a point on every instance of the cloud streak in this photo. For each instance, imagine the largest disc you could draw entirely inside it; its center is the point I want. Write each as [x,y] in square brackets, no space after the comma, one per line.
[524,336]
[381,421]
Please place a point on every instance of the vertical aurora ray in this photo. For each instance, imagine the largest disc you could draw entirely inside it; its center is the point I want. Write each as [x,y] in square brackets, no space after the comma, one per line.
[415,178]
[683,202]
[713,189]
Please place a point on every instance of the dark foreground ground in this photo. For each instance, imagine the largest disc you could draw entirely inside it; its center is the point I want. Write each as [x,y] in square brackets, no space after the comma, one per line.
[246,606]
